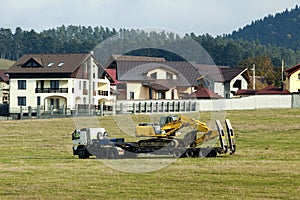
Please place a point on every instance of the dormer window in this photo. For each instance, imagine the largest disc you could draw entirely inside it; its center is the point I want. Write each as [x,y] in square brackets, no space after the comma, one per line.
[169,76]
[60,64]
[154,75]
[31,63]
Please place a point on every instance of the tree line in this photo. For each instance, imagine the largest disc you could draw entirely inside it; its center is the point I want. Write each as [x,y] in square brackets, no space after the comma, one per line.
[80,39]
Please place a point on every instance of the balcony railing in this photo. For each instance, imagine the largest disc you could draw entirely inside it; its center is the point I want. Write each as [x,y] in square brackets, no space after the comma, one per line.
[51,90]
[102,92]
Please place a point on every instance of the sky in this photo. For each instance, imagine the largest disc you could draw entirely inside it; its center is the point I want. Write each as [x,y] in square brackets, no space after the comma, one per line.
[215,17]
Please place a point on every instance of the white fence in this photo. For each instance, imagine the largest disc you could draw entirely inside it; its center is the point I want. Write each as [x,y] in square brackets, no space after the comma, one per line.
[244,103]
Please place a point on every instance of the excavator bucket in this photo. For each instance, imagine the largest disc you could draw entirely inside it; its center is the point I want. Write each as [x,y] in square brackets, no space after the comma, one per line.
[222,136]
[230,133]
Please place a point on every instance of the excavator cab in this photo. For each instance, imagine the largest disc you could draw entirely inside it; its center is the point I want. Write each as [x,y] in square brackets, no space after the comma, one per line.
[167,119]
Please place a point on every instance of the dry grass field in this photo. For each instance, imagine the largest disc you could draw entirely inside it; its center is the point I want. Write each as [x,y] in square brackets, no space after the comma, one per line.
[36,162]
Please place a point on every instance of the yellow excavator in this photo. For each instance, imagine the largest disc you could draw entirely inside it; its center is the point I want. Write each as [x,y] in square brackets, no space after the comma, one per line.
[184,137]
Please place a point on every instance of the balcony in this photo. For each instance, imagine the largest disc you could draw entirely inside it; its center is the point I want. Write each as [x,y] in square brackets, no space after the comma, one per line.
[102,92]
[51,90]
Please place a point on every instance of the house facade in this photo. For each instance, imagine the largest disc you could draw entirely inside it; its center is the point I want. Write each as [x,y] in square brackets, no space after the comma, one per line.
[139,78]
[4,87]
[57,82]
[293,79]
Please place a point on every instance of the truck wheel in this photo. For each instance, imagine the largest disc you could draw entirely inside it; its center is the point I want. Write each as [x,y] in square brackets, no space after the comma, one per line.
[103,153]
[189,153]
[113,153]
[82,154]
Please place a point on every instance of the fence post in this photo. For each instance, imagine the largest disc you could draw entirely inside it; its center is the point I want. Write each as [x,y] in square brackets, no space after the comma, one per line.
[151,107]
[63,110]
[101,109]
[38,111]
[29,112]
[21,112]
[76,109]
[121,107]
[133,108]
[51,110]
[168,107]
[140,105]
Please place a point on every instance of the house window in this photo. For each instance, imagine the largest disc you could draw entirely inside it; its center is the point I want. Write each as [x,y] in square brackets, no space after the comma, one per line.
[79,85]
[131,95]
[154,75]
[161,95]
[22,84]
[54,84]
[84,85]
[299,76]
[169,76]
[238,84]
[21,101]
[38,101]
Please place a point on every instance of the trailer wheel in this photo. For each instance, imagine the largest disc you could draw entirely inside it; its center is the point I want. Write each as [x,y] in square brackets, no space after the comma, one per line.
[82,153]
[189,153]
[203,152]
[177,153]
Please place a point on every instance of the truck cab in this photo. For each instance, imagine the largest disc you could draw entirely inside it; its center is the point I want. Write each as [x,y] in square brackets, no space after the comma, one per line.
[95,142]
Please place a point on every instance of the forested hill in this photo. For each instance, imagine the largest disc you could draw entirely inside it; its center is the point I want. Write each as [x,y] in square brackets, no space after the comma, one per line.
[281,30]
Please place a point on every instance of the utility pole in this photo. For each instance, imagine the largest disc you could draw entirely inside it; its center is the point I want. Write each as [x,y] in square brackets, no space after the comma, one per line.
[282,67]
[253,69]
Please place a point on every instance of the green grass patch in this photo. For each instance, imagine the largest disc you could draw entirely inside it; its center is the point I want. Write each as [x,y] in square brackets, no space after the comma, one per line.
[5,64]
[36,162]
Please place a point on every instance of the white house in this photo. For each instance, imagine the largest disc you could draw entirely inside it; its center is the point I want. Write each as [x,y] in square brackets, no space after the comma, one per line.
[57,82]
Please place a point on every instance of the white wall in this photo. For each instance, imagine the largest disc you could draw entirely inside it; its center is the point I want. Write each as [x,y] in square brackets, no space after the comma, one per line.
[244,103]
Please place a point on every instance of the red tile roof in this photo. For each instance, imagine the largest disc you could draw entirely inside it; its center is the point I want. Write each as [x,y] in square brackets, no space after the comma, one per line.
[203,93]
[292,70]
[265,91]
[113,74]
[3,76]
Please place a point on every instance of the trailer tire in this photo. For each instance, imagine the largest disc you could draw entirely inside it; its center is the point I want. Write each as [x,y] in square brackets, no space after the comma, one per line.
[177,153]
[174,143]
[82,153]
[203,152]
[189,153]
